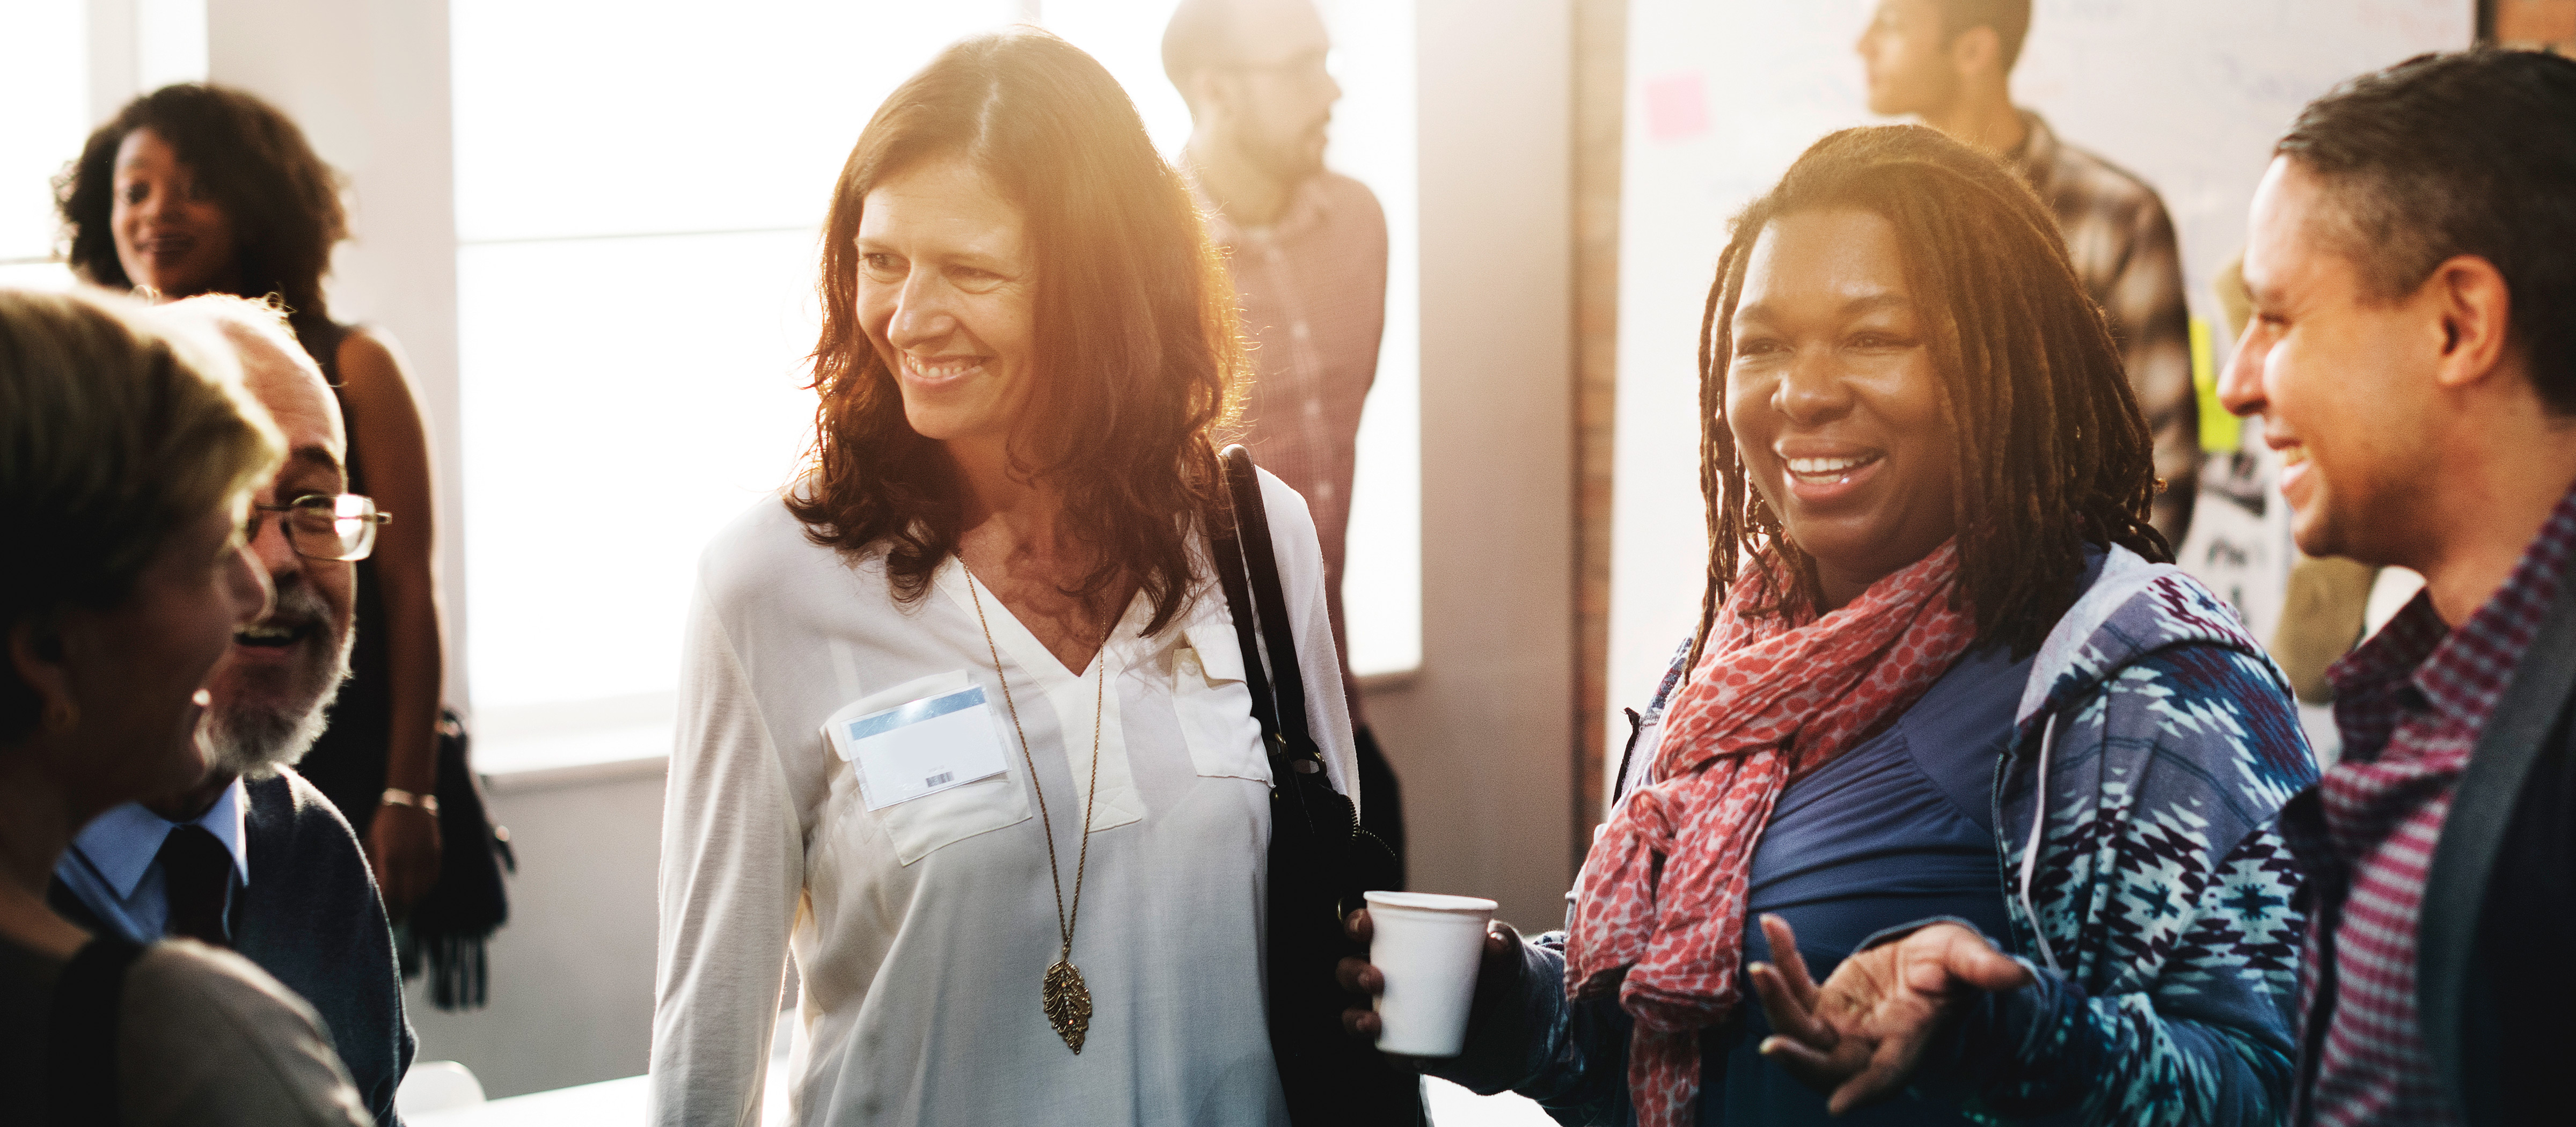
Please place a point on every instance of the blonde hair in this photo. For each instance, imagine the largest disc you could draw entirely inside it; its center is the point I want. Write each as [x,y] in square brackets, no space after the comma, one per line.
[115,429]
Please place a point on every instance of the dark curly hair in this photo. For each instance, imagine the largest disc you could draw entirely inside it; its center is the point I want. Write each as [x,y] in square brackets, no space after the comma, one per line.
[2053,451]
[1137,353]
[284,202]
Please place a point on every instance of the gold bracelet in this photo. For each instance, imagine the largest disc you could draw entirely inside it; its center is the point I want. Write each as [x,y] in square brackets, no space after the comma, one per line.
[396,796]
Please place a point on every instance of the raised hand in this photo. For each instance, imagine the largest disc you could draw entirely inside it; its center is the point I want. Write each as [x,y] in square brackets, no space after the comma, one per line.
[1857,1038]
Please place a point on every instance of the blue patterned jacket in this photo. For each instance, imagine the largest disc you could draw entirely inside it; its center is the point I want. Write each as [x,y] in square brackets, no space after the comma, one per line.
[2158,928]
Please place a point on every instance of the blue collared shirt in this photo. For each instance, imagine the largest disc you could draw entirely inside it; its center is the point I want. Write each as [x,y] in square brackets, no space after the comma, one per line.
[114,866]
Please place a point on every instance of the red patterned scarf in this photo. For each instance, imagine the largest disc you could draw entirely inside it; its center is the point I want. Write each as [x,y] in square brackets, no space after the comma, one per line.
[1659,912]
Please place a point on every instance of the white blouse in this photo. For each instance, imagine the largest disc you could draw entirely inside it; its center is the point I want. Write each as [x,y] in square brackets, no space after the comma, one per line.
[921,930]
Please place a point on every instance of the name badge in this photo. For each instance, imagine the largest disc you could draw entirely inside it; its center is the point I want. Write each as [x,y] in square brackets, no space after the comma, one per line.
[922,747]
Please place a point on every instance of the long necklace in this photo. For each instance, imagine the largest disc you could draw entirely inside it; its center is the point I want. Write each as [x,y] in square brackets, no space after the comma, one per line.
[1066,999]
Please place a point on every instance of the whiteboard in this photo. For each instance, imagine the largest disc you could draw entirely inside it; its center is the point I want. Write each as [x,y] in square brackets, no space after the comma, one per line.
[1723,94]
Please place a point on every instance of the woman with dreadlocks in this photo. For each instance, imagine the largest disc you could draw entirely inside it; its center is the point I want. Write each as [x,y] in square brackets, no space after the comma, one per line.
[1953,737]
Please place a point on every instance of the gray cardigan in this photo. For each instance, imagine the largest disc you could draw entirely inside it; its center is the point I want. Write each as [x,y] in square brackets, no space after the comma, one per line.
[323,933]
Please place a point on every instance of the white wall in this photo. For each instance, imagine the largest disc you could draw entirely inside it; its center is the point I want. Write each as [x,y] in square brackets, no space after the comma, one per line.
[572,973]
[1722,96]
[45,72]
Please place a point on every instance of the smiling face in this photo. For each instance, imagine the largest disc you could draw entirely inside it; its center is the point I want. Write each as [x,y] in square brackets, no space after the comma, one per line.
[269,694]
[1835,401]
[2345,383]
[171,233]
[947,292]
[135,670]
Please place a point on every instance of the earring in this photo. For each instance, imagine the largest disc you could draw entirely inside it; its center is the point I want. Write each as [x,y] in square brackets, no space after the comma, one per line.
[62,716]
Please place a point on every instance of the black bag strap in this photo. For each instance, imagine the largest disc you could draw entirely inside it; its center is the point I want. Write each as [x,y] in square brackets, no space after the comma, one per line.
[1248,565]
[80,1077]
[1227,548]
[1320,859]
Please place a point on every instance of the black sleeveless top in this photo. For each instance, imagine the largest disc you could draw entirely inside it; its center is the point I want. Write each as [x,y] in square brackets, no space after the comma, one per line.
[348,762]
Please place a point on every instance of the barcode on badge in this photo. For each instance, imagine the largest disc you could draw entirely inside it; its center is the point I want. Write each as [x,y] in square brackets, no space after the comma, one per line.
[940,779]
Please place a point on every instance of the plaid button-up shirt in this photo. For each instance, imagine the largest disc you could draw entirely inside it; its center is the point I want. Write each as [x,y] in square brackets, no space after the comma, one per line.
[1312,288]
[2122,245]
[2411,703]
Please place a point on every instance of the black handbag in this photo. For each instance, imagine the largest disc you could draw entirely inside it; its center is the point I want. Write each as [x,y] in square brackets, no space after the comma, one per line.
[1320,860]
[456,918]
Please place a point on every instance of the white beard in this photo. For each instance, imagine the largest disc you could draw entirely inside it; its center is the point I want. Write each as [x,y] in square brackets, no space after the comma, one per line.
[255,741]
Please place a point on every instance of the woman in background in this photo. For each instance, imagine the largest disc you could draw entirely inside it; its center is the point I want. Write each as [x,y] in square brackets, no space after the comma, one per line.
[127,460]
[1953,735]
[984,614]
[203,189]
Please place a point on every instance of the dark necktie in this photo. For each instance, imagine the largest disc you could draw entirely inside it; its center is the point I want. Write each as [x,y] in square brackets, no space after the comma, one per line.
[197,871]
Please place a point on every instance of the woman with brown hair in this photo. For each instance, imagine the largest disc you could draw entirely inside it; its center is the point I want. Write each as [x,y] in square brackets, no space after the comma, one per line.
[962,722]
[1951,735]
[197,189]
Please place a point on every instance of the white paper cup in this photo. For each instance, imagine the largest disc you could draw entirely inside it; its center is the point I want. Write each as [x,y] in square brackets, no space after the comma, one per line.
[1427,946]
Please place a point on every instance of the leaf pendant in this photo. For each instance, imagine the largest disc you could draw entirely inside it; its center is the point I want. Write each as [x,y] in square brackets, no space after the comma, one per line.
[1068,1004]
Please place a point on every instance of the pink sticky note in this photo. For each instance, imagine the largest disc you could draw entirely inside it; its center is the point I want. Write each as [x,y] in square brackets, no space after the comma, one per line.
[1676,107]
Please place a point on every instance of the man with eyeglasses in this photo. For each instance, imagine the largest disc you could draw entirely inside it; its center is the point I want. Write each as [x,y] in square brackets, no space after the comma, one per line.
[253,857]
[1307,250]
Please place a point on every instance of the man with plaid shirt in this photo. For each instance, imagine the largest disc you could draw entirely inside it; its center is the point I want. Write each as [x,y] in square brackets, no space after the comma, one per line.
[2412,263]
[1306,247]
[1949,62]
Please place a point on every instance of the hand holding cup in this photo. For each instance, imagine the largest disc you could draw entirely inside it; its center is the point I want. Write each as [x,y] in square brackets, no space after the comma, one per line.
[1496,964]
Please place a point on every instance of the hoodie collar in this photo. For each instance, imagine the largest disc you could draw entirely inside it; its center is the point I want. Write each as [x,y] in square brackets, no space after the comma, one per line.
[2133,608]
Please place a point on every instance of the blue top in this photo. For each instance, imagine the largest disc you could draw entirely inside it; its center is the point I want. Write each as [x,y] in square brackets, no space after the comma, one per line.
[114,866]
[2139,771]
[1894,831]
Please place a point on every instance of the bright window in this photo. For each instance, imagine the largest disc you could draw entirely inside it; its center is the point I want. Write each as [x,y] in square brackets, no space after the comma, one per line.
[638,200]
[44,80]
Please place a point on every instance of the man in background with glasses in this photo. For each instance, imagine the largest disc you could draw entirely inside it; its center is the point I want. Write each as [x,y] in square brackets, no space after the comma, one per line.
[254,858]
[1307,250]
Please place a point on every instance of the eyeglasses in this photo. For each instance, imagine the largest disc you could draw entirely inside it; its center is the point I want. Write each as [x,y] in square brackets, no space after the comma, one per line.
[320,526]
